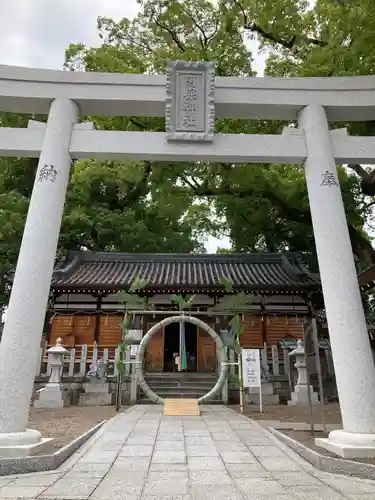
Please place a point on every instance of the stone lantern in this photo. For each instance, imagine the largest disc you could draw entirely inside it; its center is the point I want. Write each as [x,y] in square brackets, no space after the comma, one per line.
[51,396]
[300,396]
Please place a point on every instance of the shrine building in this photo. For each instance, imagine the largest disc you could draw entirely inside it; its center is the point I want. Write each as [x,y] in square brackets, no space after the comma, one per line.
[84,307]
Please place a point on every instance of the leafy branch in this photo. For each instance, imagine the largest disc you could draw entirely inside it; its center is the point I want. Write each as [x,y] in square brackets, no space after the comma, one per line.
[131,301]
[361,245]
[232,304]
[183,303]
[238,302]
[271,36]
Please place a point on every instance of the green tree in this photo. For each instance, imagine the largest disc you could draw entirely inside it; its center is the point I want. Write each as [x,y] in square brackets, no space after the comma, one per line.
[114,207]
[323,38]
[109,207]
[265,207]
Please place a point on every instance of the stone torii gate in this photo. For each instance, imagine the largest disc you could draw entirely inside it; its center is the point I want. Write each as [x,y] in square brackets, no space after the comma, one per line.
[190,97]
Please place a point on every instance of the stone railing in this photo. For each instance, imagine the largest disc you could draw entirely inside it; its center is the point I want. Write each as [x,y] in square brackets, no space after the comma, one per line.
[79,359]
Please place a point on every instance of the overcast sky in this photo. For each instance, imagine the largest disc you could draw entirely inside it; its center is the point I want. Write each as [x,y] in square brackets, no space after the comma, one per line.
[35,33]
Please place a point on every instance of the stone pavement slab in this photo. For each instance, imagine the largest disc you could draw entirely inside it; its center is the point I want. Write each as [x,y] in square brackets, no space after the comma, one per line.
[220,455]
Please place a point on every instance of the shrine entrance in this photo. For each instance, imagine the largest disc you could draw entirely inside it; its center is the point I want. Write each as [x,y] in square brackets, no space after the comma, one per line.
[172,347]
[200,326]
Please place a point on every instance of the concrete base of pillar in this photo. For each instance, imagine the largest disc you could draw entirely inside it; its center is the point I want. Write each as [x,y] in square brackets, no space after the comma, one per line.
[269,397]
[23,444]
[93,399]
[50,397]
[134,389]
[26,450]
[96,394]
[348,445]
[267,389]
[300,396]
[96,387]
[224,393]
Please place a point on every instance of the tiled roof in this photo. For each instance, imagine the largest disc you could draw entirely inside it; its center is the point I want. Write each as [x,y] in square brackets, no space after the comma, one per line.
[366,278]
[184,272]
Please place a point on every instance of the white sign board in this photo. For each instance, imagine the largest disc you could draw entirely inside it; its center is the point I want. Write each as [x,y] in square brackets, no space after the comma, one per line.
[251,367]
[135,334]
[134,351]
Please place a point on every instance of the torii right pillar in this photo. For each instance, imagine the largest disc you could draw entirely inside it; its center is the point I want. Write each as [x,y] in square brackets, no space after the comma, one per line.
[351,351]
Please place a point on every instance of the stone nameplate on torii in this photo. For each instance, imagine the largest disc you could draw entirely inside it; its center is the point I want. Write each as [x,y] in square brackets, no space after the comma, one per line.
[190,101]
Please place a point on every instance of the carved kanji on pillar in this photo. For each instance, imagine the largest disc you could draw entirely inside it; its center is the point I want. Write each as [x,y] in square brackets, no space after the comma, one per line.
[329,179]
[47,173]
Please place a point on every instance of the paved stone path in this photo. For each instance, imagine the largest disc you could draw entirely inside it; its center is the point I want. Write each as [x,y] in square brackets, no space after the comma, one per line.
[220,455]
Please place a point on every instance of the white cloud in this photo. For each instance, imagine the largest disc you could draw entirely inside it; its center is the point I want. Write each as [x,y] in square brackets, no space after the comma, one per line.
[35,33]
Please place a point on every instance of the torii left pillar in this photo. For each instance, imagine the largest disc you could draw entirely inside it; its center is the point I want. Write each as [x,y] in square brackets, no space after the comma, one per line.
[20,343]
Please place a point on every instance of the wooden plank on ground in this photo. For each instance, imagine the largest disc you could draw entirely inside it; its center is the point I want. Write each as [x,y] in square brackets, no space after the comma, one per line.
[181,408]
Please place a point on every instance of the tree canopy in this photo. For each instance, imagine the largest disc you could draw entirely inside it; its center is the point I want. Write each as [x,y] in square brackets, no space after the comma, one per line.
[159,207]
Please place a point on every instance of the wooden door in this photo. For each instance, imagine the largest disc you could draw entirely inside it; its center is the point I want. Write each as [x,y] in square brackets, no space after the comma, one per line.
[206,352]
[155,351]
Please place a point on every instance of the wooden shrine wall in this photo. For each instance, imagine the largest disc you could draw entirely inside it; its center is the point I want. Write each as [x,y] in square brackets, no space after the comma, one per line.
[78,329]
[110,329]
[62,326]
[280,327]
[252,335]
[275,329]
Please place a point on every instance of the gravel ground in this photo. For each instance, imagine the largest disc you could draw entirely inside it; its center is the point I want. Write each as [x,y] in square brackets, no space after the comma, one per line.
[284,413]
[66,424]
[281,413]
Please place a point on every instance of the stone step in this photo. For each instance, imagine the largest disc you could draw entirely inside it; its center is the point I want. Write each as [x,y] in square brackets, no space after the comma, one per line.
[201,388]
[180,383]
[147,401]
[181,408]
[190,375]
[160,381]
[181,387]
[180,391]
[183,376]
[187,390]
[178,395]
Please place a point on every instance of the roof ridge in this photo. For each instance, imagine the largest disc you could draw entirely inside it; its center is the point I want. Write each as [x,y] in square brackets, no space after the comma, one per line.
[113,256]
